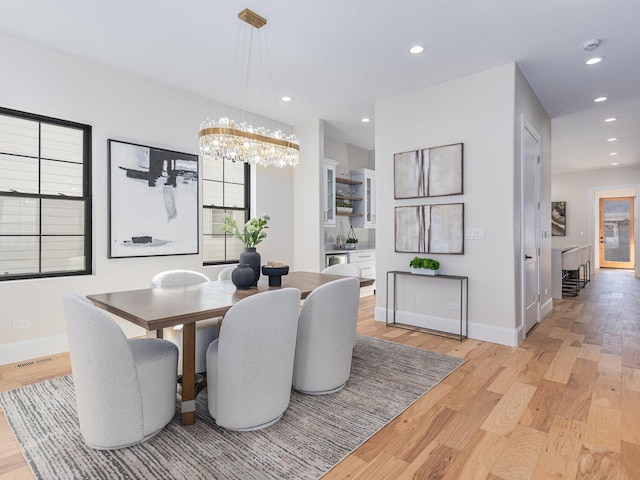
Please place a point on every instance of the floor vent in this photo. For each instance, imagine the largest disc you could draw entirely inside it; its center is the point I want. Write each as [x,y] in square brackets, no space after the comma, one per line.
[32,363]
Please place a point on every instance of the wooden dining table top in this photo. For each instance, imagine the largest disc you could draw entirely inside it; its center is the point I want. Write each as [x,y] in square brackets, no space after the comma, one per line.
[161,307]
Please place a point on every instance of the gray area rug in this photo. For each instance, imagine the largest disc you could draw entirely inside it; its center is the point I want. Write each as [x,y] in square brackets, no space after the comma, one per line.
[315,433]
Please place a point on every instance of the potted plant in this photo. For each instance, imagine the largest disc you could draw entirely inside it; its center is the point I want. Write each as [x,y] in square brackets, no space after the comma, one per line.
[424,266]
[344,207]
[250,234]
[352,240]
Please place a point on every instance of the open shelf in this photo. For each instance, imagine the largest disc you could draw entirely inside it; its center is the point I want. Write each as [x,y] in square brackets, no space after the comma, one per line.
[348,181]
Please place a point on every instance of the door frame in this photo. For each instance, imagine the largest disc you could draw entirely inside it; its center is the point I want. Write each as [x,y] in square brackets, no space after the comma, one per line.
[526,126]
[611,191]
[601,248]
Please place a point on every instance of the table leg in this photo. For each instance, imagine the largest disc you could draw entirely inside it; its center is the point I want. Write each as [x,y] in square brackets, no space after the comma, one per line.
[188,374]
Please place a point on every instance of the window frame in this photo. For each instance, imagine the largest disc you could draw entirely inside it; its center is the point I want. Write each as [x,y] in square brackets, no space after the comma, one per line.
[225,209]
[87,195]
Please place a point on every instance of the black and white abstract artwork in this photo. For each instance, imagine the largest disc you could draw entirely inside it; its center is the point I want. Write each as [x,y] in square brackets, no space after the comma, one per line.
[153,197]
[429,172]
[430,228]
[558,219]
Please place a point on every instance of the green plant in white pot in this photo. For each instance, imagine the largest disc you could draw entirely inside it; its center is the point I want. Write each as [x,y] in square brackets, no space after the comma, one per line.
[424,266]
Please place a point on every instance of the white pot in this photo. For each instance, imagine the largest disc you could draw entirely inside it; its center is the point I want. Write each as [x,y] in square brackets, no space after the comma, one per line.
[423,271]
[344,209]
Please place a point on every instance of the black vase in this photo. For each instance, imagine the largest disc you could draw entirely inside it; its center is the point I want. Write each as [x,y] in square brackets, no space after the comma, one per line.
[242,276]
[251,257]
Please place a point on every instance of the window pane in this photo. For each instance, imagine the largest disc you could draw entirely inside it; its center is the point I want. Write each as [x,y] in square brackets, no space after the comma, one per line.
[212,169]
[234,195]
[62,254]
[19,216]
[62,217]
[234,248]
[211,193]
[18,136]
[19,174]
[61,143]
[234,172]
[61,177]
[213,248]
[18,255]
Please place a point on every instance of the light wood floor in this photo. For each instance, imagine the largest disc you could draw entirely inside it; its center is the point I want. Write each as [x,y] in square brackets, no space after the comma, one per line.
[565,404]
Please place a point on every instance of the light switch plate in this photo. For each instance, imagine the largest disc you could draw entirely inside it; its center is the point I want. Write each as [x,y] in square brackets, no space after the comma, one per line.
[474,234]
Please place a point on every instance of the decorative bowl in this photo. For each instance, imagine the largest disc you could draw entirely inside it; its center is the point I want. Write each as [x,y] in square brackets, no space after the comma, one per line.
[275,274]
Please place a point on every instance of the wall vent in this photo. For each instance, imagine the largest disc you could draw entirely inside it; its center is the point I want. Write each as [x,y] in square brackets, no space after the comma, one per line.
[32,363]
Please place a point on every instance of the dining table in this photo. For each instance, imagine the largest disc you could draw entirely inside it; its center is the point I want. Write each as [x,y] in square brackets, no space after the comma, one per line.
[156,308]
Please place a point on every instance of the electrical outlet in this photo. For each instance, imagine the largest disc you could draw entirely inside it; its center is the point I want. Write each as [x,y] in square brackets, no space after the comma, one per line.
[454,306]
[18,324]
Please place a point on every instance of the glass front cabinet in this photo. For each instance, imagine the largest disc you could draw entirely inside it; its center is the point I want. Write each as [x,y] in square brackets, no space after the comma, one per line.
[366,208]
[330,192]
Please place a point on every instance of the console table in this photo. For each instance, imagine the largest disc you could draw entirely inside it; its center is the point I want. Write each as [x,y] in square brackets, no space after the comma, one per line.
[464,304]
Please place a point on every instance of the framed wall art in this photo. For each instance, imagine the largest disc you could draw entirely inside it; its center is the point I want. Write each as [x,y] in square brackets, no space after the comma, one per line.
[429,172]
[430,228]
[153,201]
[558,219]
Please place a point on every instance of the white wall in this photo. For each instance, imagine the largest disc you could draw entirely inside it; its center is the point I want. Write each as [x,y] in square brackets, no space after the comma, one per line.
[124,107]
[479,111]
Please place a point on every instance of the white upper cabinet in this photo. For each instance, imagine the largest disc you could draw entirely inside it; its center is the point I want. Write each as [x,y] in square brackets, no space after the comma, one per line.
[365,209]
[330,192]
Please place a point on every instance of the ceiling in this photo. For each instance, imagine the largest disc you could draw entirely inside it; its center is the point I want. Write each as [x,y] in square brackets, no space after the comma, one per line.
[336,58]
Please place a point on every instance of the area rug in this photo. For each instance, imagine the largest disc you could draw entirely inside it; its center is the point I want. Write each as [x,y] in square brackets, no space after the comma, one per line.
[315,433]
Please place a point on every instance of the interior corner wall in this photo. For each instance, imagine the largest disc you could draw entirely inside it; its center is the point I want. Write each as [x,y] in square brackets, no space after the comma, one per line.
[125,107]
[477,110]
[307,198]
[527,108]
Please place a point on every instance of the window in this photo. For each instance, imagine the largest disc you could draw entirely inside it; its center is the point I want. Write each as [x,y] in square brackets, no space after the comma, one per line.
[45,196]
[225,190]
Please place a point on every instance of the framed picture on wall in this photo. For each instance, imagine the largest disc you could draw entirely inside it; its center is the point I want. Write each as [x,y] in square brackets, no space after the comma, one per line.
[430,228]
[153,201]
[558,219]
[429,172]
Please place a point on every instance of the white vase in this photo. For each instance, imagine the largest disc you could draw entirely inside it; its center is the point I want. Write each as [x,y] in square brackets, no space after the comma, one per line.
[423,271]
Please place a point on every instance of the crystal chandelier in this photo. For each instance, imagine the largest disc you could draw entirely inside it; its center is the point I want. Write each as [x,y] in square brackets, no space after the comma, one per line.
[226,139]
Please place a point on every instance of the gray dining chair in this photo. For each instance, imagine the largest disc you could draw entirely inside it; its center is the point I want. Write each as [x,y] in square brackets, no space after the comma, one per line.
[225,273]
[206,330]
[346,269]
[326,336]
[125,389]
[250,365]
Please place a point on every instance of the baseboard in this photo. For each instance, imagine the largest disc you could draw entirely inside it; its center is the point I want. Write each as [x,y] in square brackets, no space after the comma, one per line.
[477,331]
[51,345]
[546,308]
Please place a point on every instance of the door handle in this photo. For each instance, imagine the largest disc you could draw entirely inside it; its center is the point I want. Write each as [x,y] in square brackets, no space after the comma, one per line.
[527,257]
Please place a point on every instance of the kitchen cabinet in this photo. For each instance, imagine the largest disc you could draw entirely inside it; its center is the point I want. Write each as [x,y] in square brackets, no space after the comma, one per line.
[366,260]
[330,192]
[344,193]
[364,210]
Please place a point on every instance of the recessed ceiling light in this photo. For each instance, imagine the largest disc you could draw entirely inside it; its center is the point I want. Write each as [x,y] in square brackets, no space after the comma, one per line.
[591,45]
[612,139]
[614,163]
[594,61]
[416,49]
[613,154]
[365,120]
[286,99]
[610,119]
[600,99]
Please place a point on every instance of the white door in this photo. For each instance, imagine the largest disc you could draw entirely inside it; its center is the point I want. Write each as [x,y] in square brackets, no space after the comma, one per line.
[530,226]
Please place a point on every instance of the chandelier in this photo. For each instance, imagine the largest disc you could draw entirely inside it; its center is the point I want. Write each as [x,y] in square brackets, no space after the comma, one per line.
[226,139]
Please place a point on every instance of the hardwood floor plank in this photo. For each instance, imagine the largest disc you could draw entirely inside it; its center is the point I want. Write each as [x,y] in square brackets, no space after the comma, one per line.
[520,454]
[595,463]
[507,413]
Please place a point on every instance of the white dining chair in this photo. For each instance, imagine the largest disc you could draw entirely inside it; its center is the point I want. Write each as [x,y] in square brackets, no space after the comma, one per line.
[206,330]
[346,269]
[326,335]
[250,366]
[571,263]
[125,389]
[225,273]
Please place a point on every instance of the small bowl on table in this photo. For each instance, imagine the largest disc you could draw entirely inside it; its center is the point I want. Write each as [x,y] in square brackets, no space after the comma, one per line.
[275,274]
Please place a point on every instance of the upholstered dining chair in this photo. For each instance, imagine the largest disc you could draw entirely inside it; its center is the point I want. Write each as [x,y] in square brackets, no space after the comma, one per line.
[206,330]
[225,273]
[326,336]
[125,389]
[250,365]
[346,269]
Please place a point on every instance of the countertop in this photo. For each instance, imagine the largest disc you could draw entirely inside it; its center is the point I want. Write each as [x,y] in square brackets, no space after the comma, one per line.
[360,248]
